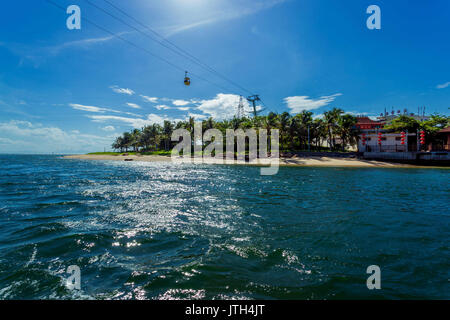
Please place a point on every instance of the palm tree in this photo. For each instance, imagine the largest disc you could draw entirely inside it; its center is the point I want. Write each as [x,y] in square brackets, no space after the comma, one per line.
[346,130]
[270,122]
[156,135]
[118,144]
[319,132]
[146,138]
[305,121]
[136,139]
[127,139]
[332,118]
[209,124]
[235,123]
[293,129]
[284,124]
[167,134]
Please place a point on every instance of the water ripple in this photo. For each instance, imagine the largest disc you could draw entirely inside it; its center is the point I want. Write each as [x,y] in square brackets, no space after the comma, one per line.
[165,231]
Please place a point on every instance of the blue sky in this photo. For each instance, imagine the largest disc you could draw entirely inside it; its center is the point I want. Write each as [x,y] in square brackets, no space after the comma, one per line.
[71,91]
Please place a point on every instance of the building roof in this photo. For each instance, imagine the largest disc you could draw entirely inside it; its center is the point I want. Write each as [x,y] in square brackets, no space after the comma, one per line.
[445,130]
[366,120]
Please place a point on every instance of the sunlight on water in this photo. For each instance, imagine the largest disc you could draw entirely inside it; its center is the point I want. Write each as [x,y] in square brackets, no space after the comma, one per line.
[166,231]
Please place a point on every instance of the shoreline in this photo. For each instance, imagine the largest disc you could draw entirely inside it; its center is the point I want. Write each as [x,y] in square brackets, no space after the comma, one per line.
[304,161]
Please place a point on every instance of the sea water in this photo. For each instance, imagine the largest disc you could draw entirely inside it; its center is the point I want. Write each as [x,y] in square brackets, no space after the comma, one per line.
[179,231]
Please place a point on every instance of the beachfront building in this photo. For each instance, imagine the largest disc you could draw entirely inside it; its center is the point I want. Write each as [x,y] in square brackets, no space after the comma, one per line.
[387,142]
[374,138]
[443,140]
[366,125]
[375,142]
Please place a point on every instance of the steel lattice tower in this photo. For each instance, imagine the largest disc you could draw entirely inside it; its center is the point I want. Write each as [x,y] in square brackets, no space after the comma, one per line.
[240,111]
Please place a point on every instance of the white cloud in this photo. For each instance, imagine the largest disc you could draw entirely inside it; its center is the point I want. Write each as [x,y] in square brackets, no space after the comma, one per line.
[250,111]
[299,103]
[109,128]
[223,106]
[27,137]
[84,43]
[163,107]
[122,90]
[38,55]
[5,141]
[356,113]
[443,86]
[154,118]
[133,105]
[179,103]
[229,12]
[183,108]
[99,109]
[87,108]
[197,116]
[149,99]
[134,122]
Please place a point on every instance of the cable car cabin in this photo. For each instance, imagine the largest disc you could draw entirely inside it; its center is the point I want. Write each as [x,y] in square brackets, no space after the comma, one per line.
[187,80]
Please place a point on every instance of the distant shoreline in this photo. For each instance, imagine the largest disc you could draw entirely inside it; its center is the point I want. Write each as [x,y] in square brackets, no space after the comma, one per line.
[297,161]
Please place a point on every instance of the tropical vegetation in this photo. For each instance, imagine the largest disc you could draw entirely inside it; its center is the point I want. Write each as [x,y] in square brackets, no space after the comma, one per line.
[334,131]
[431,125]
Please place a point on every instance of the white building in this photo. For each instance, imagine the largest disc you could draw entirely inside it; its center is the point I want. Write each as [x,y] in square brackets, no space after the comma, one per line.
[390,142]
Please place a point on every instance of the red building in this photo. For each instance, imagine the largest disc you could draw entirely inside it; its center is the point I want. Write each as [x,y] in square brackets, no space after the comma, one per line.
[365,123]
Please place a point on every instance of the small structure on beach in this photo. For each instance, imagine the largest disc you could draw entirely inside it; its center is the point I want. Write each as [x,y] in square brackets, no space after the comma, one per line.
[387,142]
[375,142]
[366,124]
[444,136]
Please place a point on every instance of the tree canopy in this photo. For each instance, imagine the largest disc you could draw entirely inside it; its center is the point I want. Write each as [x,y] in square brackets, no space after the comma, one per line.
[431,126]
[294,131]
[335,130]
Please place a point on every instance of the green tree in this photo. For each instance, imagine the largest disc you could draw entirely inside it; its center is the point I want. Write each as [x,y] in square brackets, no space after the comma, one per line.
[135,139]
[319,132]
[167,134]
[118,144]
[293,130]
[332,119]
[346,130]
[284,126]
[305,122]
[402,123]
[127,140]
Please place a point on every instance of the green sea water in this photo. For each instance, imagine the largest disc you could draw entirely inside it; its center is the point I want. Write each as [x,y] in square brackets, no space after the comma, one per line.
[165,231]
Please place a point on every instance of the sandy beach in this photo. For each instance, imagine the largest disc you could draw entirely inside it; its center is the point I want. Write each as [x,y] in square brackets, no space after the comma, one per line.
[316,161]
[119,157]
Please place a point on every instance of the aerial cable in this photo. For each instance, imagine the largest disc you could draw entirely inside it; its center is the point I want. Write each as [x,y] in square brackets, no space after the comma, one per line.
[141,48]
[132,27]
[263,105]
[175,48]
